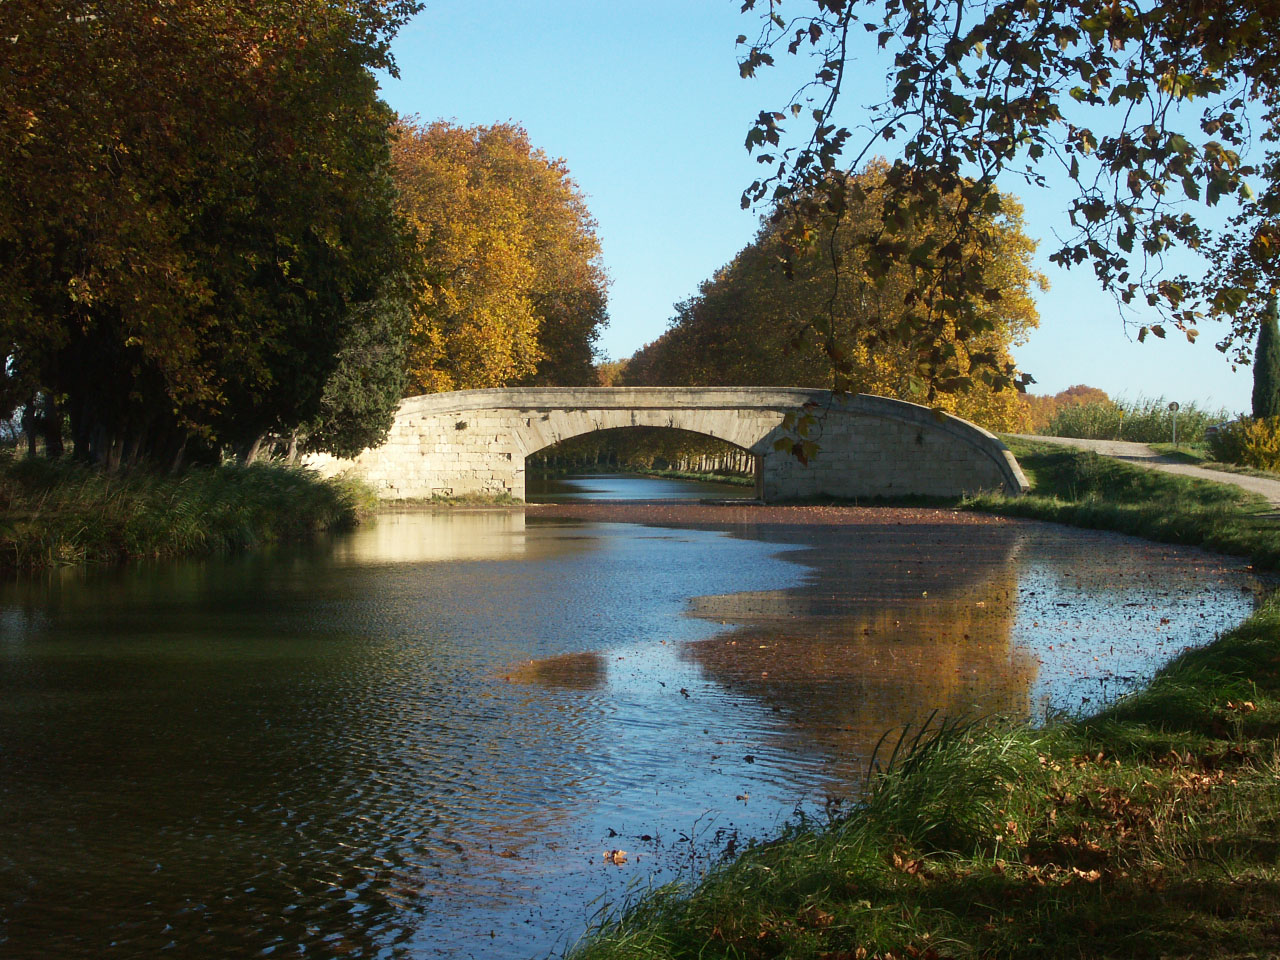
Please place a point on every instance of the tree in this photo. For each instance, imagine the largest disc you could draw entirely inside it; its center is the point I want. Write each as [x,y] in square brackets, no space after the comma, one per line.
[514,291]
[1146,108]
[1041,409]
[1266,367]
[750,325]
[195,206]
[609,373]
[360,397]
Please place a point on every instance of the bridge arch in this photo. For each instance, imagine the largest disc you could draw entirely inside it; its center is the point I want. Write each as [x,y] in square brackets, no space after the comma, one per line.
[476,441]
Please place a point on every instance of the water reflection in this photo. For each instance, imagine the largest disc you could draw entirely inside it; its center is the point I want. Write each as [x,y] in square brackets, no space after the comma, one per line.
[571,671]
[417,741]
[881,635]
[452,535]
[554,488]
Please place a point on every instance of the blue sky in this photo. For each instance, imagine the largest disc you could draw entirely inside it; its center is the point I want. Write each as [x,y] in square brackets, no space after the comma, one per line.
[644,102]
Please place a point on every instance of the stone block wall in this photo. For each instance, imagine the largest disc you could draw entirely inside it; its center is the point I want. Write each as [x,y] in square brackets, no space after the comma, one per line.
[475,441]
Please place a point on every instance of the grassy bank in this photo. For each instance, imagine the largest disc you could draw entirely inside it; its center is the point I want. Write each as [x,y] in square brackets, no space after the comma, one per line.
[1086,490]
[1149,830]
[58,513]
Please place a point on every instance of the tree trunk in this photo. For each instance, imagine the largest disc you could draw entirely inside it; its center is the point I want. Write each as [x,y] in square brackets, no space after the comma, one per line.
[51,427]
[250,453]
[113,451]
[179,457]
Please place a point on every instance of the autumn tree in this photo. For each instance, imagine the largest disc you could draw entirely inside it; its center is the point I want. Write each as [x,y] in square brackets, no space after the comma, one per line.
[513,288]
[195,208]
[751,325]
[609,373]
[1148,112]
[1041,409]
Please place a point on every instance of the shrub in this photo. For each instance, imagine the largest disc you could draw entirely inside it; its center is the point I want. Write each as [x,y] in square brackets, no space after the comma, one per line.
[1249,442]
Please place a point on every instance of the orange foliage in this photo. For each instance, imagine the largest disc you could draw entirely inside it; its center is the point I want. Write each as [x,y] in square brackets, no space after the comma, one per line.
[752,325]
[1042,409]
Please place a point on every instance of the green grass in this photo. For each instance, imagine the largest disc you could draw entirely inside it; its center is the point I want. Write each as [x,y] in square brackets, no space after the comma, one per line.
[1151,830]
[54,513]
[502,499]
[1087,490]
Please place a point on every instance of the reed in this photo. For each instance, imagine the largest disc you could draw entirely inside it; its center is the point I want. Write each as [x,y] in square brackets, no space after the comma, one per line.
[1144,420]
[57,513]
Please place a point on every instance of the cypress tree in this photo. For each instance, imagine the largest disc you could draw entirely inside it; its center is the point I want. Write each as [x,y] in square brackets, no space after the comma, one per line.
[1266,366]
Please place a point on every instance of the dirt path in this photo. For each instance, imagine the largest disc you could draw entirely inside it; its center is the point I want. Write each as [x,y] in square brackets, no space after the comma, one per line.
[1142,455]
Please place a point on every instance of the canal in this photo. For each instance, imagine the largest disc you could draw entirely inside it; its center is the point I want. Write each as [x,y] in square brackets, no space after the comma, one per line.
[421,739]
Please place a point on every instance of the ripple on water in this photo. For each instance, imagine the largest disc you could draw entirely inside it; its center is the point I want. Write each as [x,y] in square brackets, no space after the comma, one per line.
[420,741]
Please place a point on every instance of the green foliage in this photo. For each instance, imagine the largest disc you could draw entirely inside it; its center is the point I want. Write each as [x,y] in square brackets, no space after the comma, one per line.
[1145,420]
[360,397]
[1248,442]
[56,513]
[1266,365]
[183,253]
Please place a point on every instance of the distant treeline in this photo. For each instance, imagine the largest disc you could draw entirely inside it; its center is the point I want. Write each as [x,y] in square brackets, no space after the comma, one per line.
[645,449]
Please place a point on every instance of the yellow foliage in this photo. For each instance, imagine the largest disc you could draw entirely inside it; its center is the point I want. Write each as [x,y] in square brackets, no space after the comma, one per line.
[511,261]
[1250,442]
[751,325]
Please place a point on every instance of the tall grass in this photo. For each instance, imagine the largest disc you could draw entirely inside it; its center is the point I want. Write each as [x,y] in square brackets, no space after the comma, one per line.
[56,512]
[1145,420]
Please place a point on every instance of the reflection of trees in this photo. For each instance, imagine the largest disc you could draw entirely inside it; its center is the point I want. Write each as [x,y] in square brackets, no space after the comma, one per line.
[894,623]
[567,671]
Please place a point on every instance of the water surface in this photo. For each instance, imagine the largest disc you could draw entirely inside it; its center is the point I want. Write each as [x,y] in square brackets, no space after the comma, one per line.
[552,488]
[420,740]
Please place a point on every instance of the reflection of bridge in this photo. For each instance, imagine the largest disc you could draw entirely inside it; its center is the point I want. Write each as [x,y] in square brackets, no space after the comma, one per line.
[475,441]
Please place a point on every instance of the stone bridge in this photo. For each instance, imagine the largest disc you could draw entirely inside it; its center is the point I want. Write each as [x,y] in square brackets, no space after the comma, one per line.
[476,441]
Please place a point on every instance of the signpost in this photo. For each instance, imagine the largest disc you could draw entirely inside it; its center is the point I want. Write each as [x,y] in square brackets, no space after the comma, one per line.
[1173,408]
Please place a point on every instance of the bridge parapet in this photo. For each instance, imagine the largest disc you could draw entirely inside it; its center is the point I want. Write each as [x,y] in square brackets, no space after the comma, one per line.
[475,441]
